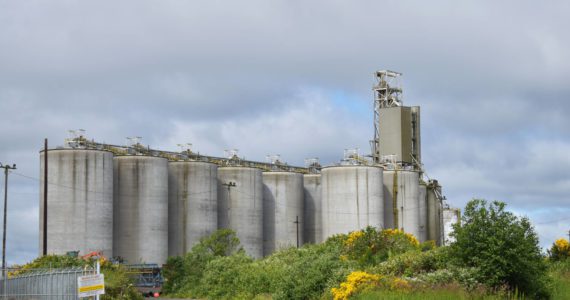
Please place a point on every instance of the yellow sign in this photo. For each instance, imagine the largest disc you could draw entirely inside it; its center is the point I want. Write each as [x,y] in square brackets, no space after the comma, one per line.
[90,285]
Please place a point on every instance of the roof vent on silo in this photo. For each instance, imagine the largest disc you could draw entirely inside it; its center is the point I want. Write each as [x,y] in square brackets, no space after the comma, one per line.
[353,158]
[313,165]
[76,139]
[232,157]
[275,161]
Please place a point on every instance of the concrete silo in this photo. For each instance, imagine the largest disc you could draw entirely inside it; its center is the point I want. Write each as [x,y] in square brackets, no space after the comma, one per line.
[80,201]
[192,204]
[312,228]
[422,198]
[240,206]
[401,192]
[141,209]
[352,199]
[282,210]
[450,217]
[434,213]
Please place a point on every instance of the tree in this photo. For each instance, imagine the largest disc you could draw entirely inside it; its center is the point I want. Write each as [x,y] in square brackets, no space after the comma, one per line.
[502,246]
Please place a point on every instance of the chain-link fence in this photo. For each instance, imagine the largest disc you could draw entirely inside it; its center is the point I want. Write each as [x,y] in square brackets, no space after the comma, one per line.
[42,283]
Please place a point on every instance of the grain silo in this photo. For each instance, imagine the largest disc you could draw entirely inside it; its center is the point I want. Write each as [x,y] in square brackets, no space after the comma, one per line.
[282,210]
[422,198]
[240,206]
[80,201]
[192,204]
[401,210]
[450,217]
[434,212]
[351,199]
[141,209]
[312,228]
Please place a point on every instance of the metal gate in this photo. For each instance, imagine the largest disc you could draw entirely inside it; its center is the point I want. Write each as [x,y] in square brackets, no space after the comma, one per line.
[42,283]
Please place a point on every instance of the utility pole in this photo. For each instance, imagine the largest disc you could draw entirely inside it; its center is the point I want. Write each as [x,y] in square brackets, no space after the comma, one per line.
[297,225]
[6,170]
[569,235]
[229,185]
[45,196]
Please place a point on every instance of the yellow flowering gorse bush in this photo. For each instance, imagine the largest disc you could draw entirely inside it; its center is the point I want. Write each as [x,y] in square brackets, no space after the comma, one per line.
[560,250]
[355,282]
[393,232]
[353,237]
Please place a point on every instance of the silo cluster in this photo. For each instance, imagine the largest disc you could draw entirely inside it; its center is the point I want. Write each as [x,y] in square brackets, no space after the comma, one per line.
[144,208]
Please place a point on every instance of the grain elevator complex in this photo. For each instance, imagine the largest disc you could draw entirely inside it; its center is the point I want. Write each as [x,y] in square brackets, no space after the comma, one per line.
[143,205]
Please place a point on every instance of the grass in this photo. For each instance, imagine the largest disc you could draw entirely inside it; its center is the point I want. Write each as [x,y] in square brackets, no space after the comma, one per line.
[421,295]
[560,274]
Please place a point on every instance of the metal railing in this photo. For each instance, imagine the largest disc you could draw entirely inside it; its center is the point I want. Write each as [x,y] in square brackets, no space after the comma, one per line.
[42,283]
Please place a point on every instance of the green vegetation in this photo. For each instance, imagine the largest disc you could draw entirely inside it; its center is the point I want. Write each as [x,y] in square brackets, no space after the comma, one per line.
[502,247]
[118,284]
[495,256]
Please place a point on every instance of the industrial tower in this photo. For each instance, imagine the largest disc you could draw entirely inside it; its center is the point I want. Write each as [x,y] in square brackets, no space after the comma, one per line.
[396,127]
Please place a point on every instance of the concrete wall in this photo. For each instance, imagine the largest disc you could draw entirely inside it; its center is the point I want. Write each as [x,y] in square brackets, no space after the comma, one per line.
[401,201]
[422,198]
[80,201]
[141,209]
[240,208]
[352,199]
[312,229]
[192,204]
[400,133]
[434,213]
[282,208]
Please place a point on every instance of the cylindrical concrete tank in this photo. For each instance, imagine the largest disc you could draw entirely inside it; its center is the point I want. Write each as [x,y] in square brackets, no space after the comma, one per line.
[312,228]
[80,201]
[434,213]
[351,199]
[240,206]
[141,209]
[422,198]
[192,204]
[450,217]
[401,192]
[282,210]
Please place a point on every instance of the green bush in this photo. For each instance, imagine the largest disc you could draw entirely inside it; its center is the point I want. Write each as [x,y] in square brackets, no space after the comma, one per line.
[182,274]
[227,277]
[503,247]
[560,250]
[413,263]
[369,246]
[118,283]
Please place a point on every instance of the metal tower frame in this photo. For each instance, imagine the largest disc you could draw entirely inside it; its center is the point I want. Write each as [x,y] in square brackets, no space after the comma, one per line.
[387,93]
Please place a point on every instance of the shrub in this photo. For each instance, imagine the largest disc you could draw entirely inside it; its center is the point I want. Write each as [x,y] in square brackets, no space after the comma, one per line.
[182,274]
[118,283]
[369,246]
[411,264]
[226,277]
[503,247]
[560,250]
[355,282]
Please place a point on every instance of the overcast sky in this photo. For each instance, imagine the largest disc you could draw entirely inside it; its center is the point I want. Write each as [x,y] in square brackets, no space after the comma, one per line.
[294,78]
